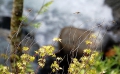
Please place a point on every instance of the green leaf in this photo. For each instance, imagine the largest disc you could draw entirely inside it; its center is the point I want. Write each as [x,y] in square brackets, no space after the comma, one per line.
[23,18]
[37,25]
[45,7]
[29,68]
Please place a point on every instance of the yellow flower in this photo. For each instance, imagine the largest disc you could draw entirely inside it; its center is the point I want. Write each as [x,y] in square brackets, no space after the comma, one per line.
[25,48]
[72,65]
[92,36]
[75,60]
[91,61]
[41,64]
[57,39]
[88,42]
[70,70]
[82,65]
[42,50]
[32,58]
[59,58]
[36,52]
[93,71]
[95,53]
[88,51]
[53,70]
[55,66]
[103,72]
[84,58]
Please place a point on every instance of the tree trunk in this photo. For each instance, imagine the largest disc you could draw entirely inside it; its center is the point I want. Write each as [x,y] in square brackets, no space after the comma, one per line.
[16,32]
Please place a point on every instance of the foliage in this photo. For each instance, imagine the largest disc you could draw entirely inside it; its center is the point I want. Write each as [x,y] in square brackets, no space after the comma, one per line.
[23,18]
[37,25]
[90,63]
[23,63]
[43,52]
[45,7]
[86,66]
[55,66]
[4,70]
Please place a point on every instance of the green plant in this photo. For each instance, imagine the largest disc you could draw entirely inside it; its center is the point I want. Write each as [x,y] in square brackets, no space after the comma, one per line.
[20,64]
[92,63]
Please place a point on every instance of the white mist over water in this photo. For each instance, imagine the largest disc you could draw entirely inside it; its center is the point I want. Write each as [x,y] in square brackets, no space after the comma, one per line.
[60,14]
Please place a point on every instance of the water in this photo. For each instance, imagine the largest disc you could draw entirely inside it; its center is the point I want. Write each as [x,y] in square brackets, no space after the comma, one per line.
[91,13]
[61,14]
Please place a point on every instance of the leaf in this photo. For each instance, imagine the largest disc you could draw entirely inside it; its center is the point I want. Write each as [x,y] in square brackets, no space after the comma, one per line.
[23,18]
[3,55]
[45,7]
[30,70]
[37,25]
[29,66]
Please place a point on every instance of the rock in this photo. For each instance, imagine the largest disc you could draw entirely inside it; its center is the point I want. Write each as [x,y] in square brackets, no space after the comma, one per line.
[115,28]
[115,5]
[5,22]
[115,31]
[73,39]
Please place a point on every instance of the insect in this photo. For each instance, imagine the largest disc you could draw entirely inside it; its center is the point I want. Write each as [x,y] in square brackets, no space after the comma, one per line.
[76,12]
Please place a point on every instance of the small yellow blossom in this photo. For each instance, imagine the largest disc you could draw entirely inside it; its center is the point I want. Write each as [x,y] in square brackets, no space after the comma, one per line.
[36,52]
[91,60]
[95,53]
[72,65]
[84,58]
[88,42]
[32,58]
[53,55]
[25,48]
[41,64]
[103,72]
[55,66]
[42,50]
[82,65]
[57,39]
[75,60]
[88,51]
[92,36]
[24,63]
[59,58]
[93,71]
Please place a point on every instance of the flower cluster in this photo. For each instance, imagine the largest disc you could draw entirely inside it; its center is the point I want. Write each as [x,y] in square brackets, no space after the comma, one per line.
[24,62]
[55,66]
[4,70]
[43,52]
[84,65]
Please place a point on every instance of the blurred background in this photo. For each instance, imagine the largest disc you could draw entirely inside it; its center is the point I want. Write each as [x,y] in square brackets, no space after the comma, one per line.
[60,14]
